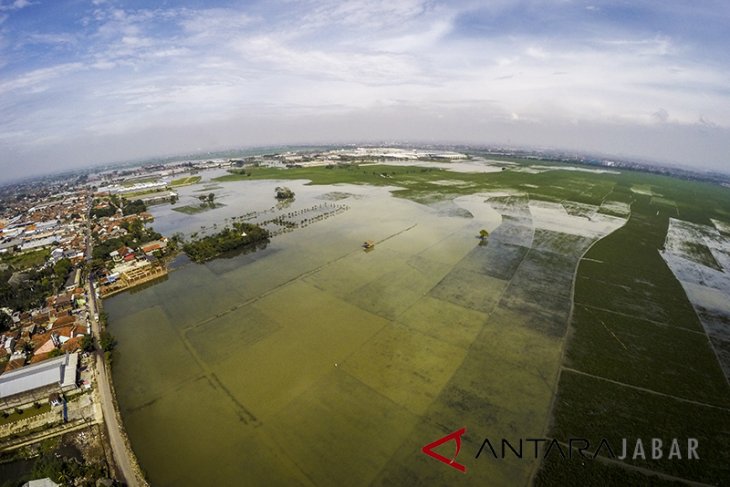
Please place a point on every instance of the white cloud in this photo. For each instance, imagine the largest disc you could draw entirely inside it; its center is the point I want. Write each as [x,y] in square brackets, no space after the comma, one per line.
[35,77]
[15,5]
[537,53]
[363,14]
[152,68]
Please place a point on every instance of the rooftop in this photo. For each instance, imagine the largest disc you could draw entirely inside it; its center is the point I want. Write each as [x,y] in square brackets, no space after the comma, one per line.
[60,370]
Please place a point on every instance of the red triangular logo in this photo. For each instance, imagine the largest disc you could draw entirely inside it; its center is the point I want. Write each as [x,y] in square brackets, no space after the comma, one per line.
[451,462]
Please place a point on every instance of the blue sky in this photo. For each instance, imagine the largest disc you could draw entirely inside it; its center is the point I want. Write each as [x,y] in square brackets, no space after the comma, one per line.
[91,81]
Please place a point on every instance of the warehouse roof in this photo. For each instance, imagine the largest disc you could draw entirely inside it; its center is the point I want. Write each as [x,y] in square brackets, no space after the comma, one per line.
[60,371]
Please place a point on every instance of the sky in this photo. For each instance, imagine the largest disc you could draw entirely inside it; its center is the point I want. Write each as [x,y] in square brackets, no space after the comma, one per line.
[85,82]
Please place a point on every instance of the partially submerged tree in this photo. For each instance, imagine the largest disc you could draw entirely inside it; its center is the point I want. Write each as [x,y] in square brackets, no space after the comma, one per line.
[284,193]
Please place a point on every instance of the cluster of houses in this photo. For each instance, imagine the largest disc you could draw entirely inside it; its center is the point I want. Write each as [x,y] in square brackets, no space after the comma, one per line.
[55,224]
[127,267]
[132,268]
[46,332]
[113,226]
[59,325]
[35,338]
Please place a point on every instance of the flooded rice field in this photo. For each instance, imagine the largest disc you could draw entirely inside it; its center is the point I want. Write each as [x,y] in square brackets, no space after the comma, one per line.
[699,257]
[313,362]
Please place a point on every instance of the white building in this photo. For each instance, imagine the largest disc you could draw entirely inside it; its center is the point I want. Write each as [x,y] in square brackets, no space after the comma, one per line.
[58,372]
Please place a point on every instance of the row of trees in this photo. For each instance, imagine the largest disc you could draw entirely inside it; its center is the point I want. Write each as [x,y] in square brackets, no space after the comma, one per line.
[230,238]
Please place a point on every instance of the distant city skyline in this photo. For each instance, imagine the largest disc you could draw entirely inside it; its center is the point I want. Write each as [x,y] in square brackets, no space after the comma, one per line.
[93,82]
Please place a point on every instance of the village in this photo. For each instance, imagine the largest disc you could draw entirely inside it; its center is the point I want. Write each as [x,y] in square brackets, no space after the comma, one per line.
[59,256]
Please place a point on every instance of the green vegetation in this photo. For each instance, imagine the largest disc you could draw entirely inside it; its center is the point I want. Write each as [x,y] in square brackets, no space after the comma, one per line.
[87,343]
[62,267]
[578,471]
[145,192]
[420,183]
[129,207]
[138,234]
[208,200]
[18,414]
[107,341]
[31,290]
[5,321]
[628,349]
[133,207]
[102,212]
[230,238]
[701,254]
[238,172]
[594,409]
[185,181]
[67,471]
[633,327]
[28,259]
[284,193]
[192,210]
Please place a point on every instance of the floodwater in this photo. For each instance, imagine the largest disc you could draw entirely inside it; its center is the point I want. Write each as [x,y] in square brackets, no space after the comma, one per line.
[704,277]
[313,362]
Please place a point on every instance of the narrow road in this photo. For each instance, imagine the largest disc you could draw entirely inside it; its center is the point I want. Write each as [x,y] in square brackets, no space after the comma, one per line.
[119,449]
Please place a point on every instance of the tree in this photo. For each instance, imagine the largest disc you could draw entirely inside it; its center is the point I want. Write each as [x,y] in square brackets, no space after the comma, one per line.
[284,193]
[5,321]
[135,228]
[103,212]
[97,264]
[483,234]
[87,343]
[61,268]
[211,197]
[107,341]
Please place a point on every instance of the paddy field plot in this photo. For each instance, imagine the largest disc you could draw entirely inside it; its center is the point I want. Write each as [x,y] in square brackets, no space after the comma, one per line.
[638,363]
[334,366]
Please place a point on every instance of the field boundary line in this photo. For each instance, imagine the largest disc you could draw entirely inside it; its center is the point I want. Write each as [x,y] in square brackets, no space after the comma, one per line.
[653,322]
[644,389]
